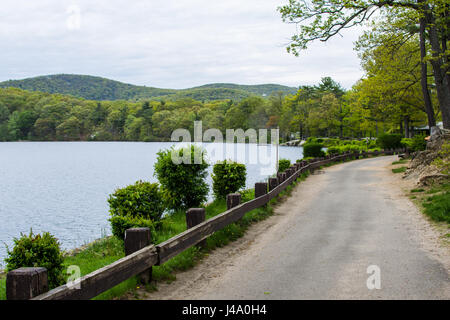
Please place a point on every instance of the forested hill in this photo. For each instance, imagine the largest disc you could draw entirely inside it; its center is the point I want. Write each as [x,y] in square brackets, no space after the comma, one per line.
[97,88]
[259,89]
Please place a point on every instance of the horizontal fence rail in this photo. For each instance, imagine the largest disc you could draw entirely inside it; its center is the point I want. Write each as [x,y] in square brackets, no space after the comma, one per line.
[141,261]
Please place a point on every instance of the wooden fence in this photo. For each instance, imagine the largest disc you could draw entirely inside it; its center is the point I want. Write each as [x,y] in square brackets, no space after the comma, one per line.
[141,255]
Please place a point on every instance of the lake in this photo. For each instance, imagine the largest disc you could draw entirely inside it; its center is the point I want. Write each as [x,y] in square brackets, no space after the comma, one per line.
[62,187]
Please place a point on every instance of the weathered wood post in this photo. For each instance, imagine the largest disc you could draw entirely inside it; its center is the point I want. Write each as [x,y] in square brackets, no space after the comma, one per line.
[280,179]
[135,240]
[26,283]
[260,189]
[195,216]
[233,200]
[273,183]
[288,172]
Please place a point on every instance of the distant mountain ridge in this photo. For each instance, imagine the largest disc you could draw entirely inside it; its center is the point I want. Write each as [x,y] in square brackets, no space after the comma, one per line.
[98,88]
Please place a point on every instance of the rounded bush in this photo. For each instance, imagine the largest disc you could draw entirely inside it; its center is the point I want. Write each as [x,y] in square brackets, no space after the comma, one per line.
[119,224]
[228,177]
[283,164]
[142,199]
[390,141]
[183,185]
[313,150]
[38,251]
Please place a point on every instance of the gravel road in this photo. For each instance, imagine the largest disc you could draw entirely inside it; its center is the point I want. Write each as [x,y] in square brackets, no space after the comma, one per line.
[321,241]
[334,226]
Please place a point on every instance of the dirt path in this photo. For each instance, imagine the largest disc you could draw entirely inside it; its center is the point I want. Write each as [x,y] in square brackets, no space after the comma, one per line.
[321,241]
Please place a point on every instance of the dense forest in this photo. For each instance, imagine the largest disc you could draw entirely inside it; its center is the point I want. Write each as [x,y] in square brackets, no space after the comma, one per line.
[97,88]
[325,109]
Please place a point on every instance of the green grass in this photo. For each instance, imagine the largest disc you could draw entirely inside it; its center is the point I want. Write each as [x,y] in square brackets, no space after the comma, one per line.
[2,287]
[435,201]
[439,188]
[437,207]
[400,161]
[399,170]
[100,254]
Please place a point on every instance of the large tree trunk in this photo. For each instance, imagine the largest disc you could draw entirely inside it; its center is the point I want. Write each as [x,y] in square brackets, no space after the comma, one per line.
[442,87]
[424,76]
[407,134]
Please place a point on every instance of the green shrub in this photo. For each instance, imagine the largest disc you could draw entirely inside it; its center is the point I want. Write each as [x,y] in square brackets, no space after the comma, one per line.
[283,164]
[142,199]
[333,150]
[407,142]
[119,224]
[38,251]
[372,144]
[228,177]
[353,148]
[313,150]
[183,184]
[390,141]
[418,142]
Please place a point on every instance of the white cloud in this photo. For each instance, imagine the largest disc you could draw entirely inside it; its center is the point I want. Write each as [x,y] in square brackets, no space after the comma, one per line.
[170,44]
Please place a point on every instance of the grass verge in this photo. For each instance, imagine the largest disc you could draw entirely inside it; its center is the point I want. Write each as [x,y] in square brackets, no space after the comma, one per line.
[399,170]
[403,161]
[434,201]
[437,207]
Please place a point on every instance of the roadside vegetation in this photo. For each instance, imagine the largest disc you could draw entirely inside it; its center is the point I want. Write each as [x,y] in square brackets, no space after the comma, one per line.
[399,170]
[434,201]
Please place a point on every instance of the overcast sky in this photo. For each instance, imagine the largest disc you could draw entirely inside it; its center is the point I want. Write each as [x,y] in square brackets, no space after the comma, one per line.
[165,43]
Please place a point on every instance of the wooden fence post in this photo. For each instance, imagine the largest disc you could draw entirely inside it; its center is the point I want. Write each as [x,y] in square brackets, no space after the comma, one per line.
[135,240]
[233,200]
[273,183]
[195,216]
[260,189]
[280,177]
[26,283]
[288,172]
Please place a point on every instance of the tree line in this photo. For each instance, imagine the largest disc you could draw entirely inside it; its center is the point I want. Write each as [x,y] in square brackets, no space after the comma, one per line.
[325,109]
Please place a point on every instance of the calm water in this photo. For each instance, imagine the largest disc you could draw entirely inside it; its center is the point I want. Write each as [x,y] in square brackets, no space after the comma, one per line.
[62,187]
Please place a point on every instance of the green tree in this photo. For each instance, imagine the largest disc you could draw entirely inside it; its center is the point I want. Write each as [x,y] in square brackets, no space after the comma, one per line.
[321,20]
[183,184]
[69,129]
